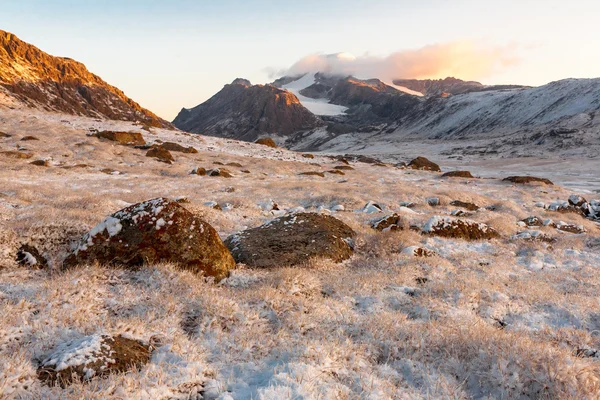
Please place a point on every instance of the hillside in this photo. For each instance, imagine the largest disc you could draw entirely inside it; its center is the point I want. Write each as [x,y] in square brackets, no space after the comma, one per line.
[32,77]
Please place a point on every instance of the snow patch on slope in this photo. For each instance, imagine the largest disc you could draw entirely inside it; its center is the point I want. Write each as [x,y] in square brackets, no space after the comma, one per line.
[316,106]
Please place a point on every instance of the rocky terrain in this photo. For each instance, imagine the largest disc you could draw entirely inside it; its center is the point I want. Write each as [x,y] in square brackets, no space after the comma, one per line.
[33,78]
[448,86]
[151,263]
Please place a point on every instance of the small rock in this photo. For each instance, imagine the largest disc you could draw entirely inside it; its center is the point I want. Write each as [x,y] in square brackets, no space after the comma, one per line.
[433,201]
[344,167]
[527,179]
[532,221]
[465,205]
[419,252]
[308,155]
[222,172]
[234,164]
[391,222]
[170,146]
[27,138]
[124,138]
[266,142]
[160,153]
[199,171]
[30,256]
[457,174]
[423,163]
[4,135]
[40,163]
[458,228]
[371,207]
[335,172]
[16,154]
[571,228]
[313,173]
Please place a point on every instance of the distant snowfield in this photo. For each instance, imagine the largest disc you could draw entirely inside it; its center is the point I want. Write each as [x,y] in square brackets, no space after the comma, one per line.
[404,89]
[316,106]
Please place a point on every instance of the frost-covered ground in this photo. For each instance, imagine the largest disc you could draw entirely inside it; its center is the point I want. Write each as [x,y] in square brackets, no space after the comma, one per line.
[505,318]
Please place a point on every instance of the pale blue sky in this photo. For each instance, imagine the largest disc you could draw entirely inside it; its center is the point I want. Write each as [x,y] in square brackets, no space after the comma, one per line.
[172,54]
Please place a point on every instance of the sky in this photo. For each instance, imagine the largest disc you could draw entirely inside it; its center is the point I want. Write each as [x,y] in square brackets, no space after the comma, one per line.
[178,53]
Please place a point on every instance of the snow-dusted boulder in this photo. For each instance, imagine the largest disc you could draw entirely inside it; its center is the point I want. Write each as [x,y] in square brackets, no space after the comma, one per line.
[95,355]
[391,222]
[292,240]
[30,256]
[158,230]
[417,251]
[458,228]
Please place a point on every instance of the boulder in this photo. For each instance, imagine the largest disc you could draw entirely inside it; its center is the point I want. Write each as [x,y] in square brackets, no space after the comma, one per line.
[313,173]
[292,240]
[91,356]
[576,200]
[533,236]
[570,228]
[157,230]
[391,222]
[457,174]
[161,154]
[16,154]
[29,256]
[28,138]
[465,205]
[170,146]
[423,164]
[199,171]
[124,138]
[40,163]
[371,207]
[458,228]
[532,221]
[266,142]
[307,155]
[222,172]
[527,179]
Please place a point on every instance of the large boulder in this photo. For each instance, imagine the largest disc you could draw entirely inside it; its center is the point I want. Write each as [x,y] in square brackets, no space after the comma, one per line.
[158,230]
[527,179]
[292,240]
[423,164]
[458,228]
[266,142]
[161,154]
[91,356]
[125,138]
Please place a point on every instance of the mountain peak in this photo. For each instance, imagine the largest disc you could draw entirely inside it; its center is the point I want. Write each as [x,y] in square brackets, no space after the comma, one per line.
[241,81]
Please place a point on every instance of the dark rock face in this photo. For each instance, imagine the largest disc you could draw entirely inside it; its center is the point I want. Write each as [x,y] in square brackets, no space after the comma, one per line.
[267,142]
[30,256]
[124,138]
[158,230]
[64,85]
[170,146]
[292,240]
[457,174]
[92,356]
[458,228]
[246,112]
[527,179]
[423,163]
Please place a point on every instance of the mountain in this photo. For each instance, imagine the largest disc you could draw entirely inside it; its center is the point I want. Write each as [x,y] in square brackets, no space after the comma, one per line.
[38,79]
[246,112]
[436,87]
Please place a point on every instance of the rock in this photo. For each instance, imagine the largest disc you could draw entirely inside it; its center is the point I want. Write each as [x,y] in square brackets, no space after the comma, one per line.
[182,199]
[458,228]
[4,135]
[92,356]
[313,173]
[419,252]
[245,171]
[157,230]
[234,164]
[292,240]
[457,174]
[40,163]
[335,172]
[75,166]
[532,221]
[266,142]
[371,207]
[199,171]
[533,235]
[170,146]
[109,171]
[571,228]
[28,138]
[433,201]
[344,167]
[391,222]
[222,172]
[124,138]
[527,179]
[465,205]
[16,154]
[161,154]
[423,164]
[306,155]
[565,207]
[576,200]
[218,163]
[30,256]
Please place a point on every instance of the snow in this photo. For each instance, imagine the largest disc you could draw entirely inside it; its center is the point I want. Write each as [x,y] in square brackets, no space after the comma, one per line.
[78,352]
[404,89]
[316,106]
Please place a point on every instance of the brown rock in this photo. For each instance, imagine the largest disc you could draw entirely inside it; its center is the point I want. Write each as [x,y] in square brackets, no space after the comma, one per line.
[292,240]
[457,174]
[222,172]
[40,163]
[465,205]
[158,230]
[234,164]
[335,171]
[16,154]
[391,222]
[571,228]
[458,228]
[344,167]
[267,142]
[527,179]
[28,138]
[199,171]
[92,356]
[161,154]
[307,155]
[124,138]
[4,135]
[313,173]
[532,221]
[423,164]
[170,146]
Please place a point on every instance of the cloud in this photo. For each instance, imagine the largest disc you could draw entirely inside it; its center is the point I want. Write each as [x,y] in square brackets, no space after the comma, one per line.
[465,60]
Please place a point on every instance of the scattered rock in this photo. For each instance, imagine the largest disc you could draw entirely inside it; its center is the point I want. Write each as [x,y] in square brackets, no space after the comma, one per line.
[28,138]
[16,154]
[313,173]
[458,228]
[91,356]
[527,179]
[457,174]
[222,172]
[157,230]
[234,164]
[424,164]
[199,171]
[160,153]
[170,146]
[577,201]
[30,256]
[344,167]
[465,205]
[565,207]
[292,240]
[534,235]
[266,142]
[4,135]
[571,228]
[40,163]
[419,252]
[307,155]
[371,207]
[124,138]
[335,172]
[532,221]
[433,201]
[391,222]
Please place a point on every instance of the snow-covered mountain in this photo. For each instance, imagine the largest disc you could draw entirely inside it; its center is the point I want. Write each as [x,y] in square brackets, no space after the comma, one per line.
[32,78]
